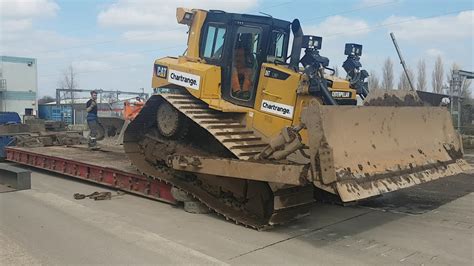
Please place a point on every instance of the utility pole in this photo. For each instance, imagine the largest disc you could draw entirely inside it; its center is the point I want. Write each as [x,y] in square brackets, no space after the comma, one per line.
[455,89]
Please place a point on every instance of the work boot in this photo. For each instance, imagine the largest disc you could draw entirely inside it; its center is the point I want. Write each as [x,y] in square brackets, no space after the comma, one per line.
[93,143]
[245,95]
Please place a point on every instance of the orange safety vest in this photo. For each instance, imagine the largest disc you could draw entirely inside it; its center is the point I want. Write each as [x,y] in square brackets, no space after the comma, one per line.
[246,81]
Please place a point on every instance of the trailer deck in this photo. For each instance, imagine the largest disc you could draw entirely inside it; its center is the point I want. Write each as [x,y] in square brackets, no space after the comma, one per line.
[430,224]
[108,166]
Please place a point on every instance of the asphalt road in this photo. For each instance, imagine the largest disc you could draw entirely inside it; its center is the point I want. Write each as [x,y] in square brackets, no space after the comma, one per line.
[429,224]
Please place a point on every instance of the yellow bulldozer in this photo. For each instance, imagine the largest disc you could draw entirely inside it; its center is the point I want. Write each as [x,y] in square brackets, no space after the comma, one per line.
[252,133]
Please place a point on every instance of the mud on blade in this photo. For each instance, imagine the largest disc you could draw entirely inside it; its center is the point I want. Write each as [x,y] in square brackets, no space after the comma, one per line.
[374,149]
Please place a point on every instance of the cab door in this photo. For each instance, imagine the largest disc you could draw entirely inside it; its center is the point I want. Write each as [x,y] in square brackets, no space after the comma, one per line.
[246,55]
[276,94]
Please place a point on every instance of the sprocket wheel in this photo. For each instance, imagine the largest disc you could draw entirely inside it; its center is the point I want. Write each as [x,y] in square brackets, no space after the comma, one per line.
[170,122]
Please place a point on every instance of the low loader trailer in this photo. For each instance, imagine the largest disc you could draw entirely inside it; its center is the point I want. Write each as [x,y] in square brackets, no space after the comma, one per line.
[108,167]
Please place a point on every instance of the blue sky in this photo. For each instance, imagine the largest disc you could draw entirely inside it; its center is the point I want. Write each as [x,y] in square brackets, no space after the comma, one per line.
[112,44]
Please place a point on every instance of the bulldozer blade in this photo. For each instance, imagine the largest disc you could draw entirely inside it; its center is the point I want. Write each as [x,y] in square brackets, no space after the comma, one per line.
[372,150]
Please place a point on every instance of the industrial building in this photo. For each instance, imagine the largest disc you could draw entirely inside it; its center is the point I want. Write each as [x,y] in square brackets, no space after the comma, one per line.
[18,85]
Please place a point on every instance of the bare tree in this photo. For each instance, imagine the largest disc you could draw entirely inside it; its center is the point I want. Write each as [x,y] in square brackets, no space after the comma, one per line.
[403,83]
[465,90]
[374,82]
[449,73]
[68,82]
[387,74]
[437,76]
[421,83]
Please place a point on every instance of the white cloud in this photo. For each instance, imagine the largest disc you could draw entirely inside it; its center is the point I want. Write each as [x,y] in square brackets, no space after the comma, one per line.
[123,57]
[15,25]
[433,52]
[145,20]
[443,28]
[336,26]
[90,65]
[160,13]
[16,17]
[36,42]
[160,36]
[28,8]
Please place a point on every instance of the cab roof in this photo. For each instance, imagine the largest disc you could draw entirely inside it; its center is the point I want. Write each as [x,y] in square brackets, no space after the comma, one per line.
[222,16]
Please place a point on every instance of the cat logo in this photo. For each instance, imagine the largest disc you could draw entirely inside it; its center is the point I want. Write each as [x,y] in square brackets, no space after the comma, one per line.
[161,71]
[341,94]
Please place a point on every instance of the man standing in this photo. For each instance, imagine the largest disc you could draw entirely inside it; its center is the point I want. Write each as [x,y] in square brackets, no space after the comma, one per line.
[92,119]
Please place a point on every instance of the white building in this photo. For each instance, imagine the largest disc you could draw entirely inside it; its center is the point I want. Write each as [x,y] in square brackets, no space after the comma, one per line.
[18,85]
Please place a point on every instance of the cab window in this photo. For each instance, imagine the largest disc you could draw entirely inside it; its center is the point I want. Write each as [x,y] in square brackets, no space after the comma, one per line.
[278,46]
[214,42]
[245,63]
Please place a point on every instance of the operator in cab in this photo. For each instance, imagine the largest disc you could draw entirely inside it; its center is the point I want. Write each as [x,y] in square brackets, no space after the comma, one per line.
[241,74]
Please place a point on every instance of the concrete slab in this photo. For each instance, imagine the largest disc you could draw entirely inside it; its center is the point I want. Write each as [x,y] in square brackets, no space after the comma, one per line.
[14,177]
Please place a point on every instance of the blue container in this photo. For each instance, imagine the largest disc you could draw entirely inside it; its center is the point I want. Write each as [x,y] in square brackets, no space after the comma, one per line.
[44,111]
[4,142]
[55,112]
[9,118]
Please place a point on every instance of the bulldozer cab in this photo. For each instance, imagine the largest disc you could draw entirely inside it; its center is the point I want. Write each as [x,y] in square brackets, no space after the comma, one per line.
[239,44]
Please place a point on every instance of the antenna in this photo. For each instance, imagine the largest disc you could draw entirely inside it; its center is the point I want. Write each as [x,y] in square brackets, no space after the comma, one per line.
[268,15]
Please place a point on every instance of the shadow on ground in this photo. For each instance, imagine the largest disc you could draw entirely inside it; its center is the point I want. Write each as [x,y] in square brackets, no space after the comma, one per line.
[425,197]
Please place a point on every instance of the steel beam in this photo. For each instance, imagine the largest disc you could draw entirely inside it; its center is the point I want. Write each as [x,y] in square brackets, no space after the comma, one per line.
[114,178]
[291,174]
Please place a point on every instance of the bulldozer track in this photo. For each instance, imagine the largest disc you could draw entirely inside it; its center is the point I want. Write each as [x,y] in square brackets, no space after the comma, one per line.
[289,203]
[228,130]
[280,216]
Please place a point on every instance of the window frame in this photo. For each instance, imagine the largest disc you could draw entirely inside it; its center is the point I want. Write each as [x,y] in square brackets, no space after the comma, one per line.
[284,52]
[258,60]
[203,43]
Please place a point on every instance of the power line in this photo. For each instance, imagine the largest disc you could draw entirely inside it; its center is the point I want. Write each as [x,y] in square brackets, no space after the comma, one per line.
[82,29]
[103,70]
[340,33]
[275,5]
[179,29]
[110,56]
[395,23]
[353,10]
[101,42]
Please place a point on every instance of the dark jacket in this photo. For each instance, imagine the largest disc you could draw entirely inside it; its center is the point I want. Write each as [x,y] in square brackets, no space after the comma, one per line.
[92,114]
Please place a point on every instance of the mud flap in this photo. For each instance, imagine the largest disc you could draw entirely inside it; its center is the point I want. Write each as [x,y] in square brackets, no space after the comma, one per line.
[377,149]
